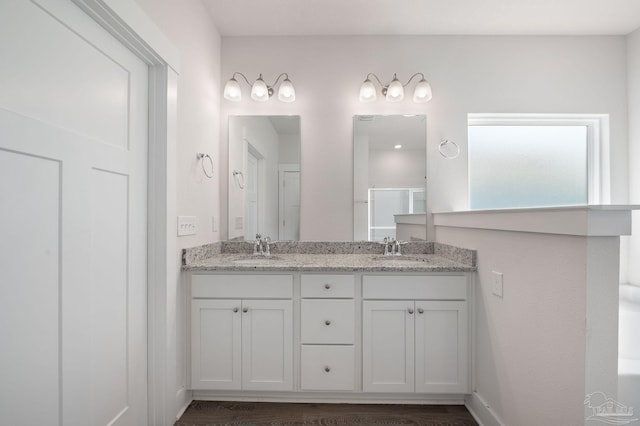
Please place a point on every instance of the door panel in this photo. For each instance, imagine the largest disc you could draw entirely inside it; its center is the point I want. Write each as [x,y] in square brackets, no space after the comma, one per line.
[73,127]
[441,347]
[267,345]
[388,346]
[216,344]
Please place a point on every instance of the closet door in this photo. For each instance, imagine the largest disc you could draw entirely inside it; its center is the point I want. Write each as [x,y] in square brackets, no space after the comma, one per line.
[73,219]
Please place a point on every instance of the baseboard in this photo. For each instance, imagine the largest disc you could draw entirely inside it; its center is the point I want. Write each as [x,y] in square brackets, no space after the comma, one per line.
[328,397]
[186,397]
[481,411]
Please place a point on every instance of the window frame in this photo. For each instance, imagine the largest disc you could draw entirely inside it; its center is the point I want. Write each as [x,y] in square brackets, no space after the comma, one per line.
[598,170]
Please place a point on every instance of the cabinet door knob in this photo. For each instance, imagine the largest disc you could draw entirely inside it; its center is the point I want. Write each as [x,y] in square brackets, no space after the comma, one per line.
[245,310]
[420,311]
[235,309]
[327,369]
[410,310]
[327,286]
[327,322]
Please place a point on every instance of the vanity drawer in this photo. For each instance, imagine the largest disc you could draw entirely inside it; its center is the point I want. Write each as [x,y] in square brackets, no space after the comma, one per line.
[403,287]
[327,321]
[327,367]
[242,286]
[327,286]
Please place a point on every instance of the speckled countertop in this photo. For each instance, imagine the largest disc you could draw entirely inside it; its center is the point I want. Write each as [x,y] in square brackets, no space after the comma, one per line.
[329,257]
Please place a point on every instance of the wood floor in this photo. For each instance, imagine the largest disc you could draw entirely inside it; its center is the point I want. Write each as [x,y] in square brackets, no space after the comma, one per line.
[210,413]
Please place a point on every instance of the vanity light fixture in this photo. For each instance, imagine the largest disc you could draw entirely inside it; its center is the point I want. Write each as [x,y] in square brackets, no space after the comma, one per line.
[260,90]
[394,91]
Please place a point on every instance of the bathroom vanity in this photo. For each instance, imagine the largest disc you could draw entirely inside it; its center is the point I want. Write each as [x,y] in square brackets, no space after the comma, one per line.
[330,321]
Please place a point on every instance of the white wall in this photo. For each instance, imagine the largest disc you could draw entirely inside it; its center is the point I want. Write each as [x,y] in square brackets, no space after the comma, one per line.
[540,348]
[633,75]
[468,75]
[189,27]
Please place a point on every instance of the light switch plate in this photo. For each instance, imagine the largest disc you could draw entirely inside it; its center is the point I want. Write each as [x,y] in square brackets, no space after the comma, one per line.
[186,225]
[497,286]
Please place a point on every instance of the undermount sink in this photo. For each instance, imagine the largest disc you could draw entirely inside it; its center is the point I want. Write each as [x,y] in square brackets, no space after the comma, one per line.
[255,259]
[401,258]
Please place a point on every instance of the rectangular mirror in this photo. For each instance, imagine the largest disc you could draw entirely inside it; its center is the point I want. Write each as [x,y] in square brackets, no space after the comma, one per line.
[264,177]
[389,177]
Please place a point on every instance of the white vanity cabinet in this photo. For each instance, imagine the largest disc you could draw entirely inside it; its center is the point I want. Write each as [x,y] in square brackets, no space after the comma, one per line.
[327,332]
[415,334]
[242,332]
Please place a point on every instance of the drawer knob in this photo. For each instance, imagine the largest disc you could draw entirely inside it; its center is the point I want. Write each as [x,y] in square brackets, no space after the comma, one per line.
[420,311]
[235,309]
[327,369]
[245,310]
[327,286]
[410,310]
[327,322]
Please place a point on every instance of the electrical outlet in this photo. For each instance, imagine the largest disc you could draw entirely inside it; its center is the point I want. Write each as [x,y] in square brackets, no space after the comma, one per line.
[239,222]
[186,225]
[214,224]
[497,283]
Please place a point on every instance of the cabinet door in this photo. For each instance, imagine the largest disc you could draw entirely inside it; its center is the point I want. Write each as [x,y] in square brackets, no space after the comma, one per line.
[441,347]
[215,344]
[267,345]
[388,346]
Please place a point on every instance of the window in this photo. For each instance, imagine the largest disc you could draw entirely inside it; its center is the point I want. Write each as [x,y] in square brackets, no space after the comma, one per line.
[536,161]
[384,203]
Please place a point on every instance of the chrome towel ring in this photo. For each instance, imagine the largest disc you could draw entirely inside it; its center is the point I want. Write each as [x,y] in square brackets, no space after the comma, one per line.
[202,156]
[448,149]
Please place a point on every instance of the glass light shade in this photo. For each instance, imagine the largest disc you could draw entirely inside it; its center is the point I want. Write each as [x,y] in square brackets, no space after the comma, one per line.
[367,91]
[395,91]
[422,93]
[232,90]
[286,92]
[259,90]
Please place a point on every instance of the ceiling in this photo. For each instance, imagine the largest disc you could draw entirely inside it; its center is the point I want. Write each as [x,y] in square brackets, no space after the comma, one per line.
[424,17]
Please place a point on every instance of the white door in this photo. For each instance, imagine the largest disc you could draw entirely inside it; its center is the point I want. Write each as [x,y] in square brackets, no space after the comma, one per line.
[267,345]
[289,205]
[388,346]
[441,347]
[215,344]
[252,197]
[73,154]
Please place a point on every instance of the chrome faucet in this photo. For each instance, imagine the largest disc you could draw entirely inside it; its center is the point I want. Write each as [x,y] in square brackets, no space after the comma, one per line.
[257,245]
[388,245]
[266,250]
[392,247]
[261,246]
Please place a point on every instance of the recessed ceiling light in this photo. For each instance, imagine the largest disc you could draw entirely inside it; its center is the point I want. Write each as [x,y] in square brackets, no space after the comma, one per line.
[398,146]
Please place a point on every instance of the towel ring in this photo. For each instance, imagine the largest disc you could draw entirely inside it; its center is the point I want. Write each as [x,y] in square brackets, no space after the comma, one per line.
[448,149]
[201,156]
[239,180]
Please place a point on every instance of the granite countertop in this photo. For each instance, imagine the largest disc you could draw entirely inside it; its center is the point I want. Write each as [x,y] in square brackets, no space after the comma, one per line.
[329,257]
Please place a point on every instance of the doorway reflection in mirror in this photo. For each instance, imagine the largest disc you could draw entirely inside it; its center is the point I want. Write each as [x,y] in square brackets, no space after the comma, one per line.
[264,191]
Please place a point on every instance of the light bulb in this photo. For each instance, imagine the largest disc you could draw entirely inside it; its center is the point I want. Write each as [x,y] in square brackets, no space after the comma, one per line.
[395,91]
[259,90]
[367,91]
[232,90]
[286,92]
[422,93]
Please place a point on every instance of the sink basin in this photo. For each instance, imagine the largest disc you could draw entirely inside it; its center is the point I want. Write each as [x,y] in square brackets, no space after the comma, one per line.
[255,260]
[401,258]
